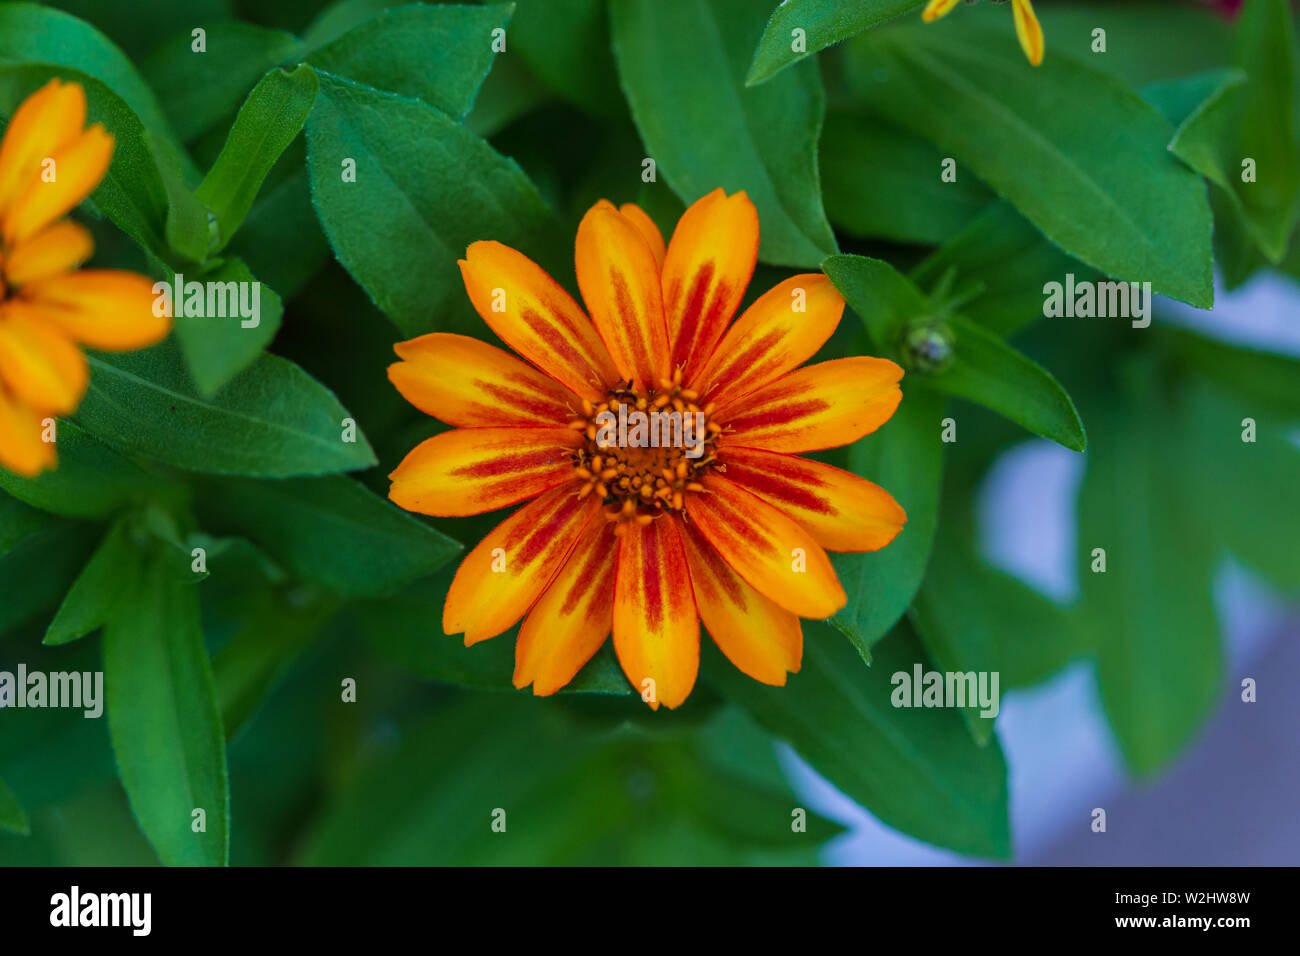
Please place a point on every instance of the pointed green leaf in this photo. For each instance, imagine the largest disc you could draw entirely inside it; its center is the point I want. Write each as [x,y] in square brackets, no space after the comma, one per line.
[682,65]
[821,22]
[94,597]
[12,815]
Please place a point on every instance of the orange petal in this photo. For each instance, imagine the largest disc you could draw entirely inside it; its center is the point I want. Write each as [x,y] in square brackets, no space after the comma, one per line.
[782,329]
[468,471]
[43,124]
[840,510]
[619,279]
[54,250]
[936,9]
[646,226]
[38,363]
[769,549]
[570,622]
[708,267]
[469,383]
[22,449]
[819,406]
[1028,31]
[656,630]
[102,308]
[760,637]
[501,578]
[78,168]
[536,318]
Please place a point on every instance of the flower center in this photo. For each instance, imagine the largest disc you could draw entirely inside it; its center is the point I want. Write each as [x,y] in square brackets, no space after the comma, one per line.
[644,453]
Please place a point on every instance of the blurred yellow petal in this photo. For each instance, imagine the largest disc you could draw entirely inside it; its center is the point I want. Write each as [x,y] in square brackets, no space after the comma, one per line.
[78,168]
[936,9]
[52,251]
[46,121]
[22,447]
[103,308]
[1028,31]
[38,363]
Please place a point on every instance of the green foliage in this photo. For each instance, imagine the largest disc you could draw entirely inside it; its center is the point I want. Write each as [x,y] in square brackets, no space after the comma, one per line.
[201,538]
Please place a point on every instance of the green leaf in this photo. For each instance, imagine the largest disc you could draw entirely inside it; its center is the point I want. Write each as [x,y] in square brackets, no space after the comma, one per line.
[32,33]
[131,193]
[12,815]
[438,54]
[682,65]
[250,663]
[281,238]
[199,90]
[1264,381]
[272,420]
[566,44]
[1254,121]
[905,457]
[973,618]
[1159,663]
[1046,139]
[1006,261]
[164,722]
[406,629]
[218,347]
[330,530]
[1180,99]
[425,189]
[267,122]
[17,521]
[881,182]
[186,228]
[37,570]
[823,22]
[98,591]
[983,368]
[91,481]
[917,770]
[1260,528]
[988,371]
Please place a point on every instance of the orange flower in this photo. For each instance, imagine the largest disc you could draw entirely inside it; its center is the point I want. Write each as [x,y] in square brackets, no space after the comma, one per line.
[1028,31]
[647,539]
[48,164]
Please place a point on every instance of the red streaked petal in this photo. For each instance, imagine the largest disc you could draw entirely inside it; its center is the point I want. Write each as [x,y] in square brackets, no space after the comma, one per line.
[537,318]
[468,471]
[571,620]
[646,226]
[767,548]
[760,637]
[619,279]
[709,264]
[501,578]
[819,406]
[656,629]
[471,384]
[840,510]
[781,329]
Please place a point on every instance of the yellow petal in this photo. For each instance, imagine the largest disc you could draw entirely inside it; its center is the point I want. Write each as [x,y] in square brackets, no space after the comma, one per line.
[570,622]
[768,549]
[708,267]
[78,168]
[840,510]
[936,9]
[646,226]
[22,449]
[501,578]
[818,406]
[469,383]
[656,629]
[760,637]
[537,318]
[52,251]
[619,279]
[43,124]
[468,471]
[103,308]
[38,363]
[1028,31]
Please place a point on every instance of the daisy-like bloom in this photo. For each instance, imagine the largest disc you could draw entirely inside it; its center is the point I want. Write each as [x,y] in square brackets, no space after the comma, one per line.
[1027,28]
[50,161]
[646,541]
